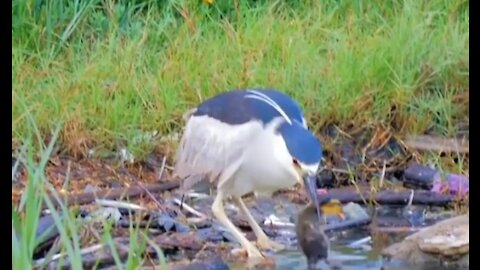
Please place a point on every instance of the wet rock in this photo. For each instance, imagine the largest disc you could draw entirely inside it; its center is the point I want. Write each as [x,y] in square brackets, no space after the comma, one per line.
[392,221]
[354,211]
[326,179]
[419,176]
[107,214]
[262,207]
[46,227]
[273,220]
[211,235]
[113,184]
[443,244]
[440,215]
[415,215]
[168,223]
[203,186]
[227,235]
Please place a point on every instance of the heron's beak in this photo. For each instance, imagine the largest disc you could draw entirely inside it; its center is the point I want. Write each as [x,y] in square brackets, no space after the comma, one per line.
[310,183]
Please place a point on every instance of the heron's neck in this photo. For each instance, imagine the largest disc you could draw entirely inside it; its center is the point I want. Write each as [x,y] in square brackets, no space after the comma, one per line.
[270,150]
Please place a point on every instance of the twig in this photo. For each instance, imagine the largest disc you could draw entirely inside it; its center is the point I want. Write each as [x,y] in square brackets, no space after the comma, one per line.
[410,200]
[189,208]
[160,174]
[151,195]
[116,193]
[387,197]
[94,256]
[382,177]
[348,224]
[117,204]
[60,255]
[197,195]
[428,143]
[15,167]
[338,170]
[360,242]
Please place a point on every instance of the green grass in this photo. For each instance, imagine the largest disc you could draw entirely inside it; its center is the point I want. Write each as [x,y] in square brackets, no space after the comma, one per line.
[26,216]
[111,70]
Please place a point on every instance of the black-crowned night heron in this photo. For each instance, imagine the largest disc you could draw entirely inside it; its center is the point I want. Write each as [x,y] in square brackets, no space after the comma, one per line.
[243,141]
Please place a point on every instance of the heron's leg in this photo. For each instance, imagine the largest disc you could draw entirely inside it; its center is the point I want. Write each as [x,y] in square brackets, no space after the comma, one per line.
[262,239]
[219,212]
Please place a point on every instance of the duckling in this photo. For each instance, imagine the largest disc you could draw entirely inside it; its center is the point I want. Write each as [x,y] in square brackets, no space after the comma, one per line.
[309,228]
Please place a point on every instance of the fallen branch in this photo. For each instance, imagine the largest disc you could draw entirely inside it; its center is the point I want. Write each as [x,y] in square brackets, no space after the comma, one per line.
[428,143]
[169,241]
[97,255]
[116,193]
[58,256]
[420,197]
[117,204]
[189,209]
[348,224]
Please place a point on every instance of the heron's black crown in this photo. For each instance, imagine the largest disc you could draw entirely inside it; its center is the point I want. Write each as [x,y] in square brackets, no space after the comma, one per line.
[301,143]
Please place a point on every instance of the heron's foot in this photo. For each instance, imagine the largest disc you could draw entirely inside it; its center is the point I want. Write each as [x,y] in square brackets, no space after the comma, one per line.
[266,243]
[254,253]
[251,251]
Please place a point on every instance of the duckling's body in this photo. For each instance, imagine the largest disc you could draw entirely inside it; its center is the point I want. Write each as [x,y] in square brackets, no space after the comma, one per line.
[312,240]
[309,228]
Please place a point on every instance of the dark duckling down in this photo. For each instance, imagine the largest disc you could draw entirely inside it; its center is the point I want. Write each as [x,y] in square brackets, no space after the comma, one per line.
[309,228]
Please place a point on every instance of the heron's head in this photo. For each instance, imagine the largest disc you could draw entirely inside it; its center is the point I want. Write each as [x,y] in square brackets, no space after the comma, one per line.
[304,154]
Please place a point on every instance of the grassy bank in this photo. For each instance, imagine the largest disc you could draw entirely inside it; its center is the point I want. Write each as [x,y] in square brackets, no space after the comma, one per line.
[110,70]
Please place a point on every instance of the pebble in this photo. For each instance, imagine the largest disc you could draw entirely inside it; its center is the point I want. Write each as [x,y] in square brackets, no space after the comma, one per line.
[354,211]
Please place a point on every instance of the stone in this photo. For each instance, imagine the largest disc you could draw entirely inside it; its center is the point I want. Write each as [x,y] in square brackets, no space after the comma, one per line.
[444,244]
[354,211]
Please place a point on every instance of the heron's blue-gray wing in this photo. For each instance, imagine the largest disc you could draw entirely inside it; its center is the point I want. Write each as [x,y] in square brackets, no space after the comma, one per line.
[218,130]
[208,147]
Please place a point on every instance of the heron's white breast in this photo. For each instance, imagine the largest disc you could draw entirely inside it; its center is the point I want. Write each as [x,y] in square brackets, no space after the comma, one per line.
[266,166]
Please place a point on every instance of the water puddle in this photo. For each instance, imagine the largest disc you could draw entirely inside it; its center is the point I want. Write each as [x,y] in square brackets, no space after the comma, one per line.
[351,249]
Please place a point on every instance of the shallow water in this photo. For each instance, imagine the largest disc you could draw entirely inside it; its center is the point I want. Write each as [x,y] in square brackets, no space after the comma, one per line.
[364,256]
[341,254]
[346,258]
[296,260]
